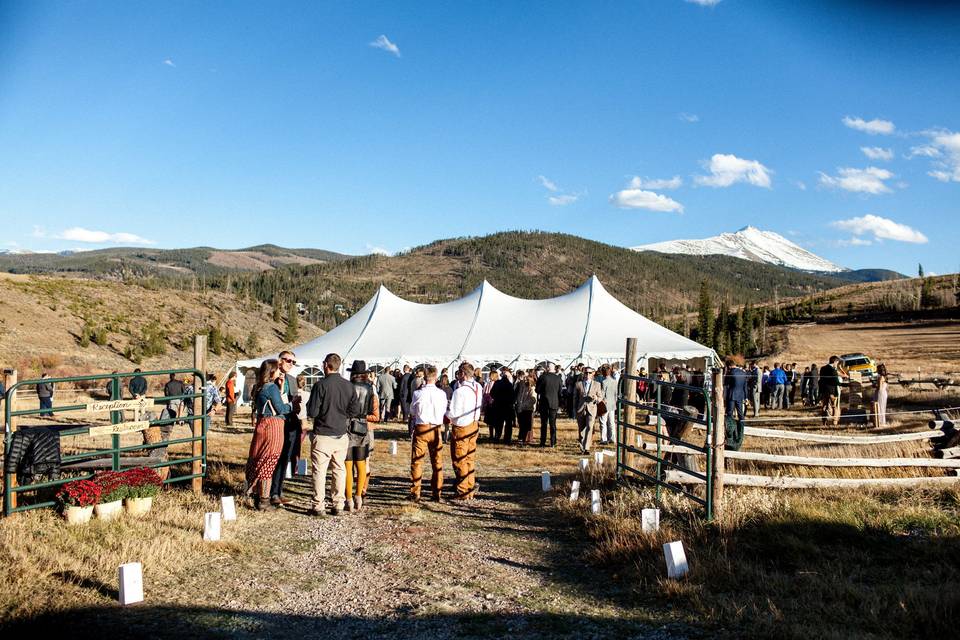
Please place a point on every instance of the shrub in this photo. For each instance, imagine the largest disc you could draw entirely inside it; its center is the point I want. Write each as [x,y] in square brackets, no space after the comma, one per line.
[79,493]
[142,482]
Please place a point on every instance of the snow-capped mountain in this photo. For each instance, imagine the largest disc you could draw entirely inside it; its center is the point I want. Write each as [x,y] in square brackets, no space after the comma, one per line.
[751,244]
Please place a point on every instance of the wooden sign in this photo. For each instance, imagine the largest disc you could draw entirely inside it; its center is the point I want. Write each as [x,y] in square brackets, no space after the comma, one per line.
[140,404]
[122,427]
[131,583]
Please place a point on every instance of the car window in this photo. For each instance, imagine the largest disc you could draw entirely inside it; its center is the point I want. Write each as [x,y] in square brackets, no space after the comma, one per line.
[852,362]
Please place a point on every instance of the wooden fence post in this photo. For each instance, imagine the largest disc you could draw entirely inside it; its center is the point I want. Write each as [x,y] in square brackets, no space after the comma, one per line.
[199,363]
[719,441]
[9,379]
[630,395]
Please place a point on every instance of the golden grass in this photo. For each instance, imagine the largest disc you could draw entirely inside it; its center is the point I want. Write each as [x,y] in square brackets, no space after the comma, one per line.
[791,564]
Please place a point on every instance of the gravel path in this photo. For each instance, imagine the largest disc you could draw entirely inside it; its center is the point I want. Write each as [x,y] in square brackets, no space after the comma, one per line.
[501,564]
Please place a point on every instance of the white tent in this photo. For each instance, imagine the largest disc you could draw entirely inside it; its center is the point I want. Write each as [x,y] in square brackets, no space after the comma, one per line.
[586,325]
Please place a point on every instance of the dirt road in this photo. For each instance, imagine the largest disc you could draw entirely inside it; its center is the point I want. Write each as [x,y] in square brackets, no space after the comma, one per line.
[503,564]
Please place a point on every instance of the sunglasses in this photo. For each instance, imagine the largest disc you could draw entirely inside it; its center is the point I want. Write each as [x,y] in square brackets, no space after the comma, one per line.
[289,360]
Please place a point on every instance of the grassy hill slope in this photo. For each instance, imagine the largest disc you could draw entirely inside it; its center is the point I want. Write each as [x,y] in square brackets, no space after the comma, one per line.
[43,319]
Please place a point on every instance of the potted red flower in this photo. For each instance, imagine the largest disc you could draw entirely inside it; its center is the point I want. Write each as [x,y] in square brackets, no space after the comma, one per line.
[78,499]
[143,484]
[113,489]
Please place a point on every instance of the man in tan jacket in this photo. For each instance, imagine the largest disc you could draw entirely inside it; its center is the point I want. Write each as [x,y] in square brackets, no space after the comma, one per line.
[587,396]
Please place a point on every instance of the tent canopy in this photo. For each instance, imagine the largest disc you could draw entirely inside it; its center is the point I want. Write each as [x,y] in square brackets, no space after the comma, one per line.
[586,325]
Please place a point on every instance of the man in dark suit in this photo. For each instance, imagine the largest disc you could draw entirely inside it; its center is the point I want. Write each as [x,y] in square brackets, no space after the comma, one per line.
[548,399]
[735,388]
[734,395]
[502,395]
[680,396]
[829,391]
[405,392]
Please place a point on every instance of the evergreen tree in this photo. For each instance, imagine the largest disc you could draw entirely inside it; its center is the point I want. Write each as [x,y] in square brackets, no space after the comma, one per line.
[721,334]
[252,345]
[928,299]
[215,340]
[704,317]
[737,339]
[919,270]
[293,325]
[277,307]
[749,346]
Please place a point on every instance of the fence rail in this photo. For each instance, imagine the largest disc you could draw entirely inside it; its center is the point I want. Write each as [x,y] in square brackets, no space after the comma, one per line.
[83,460]
[665,466]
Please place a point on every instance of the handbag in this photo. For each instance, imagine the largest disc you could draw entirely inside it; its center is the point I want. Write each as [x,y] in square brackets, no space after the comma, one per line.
[601,408]
[357,427]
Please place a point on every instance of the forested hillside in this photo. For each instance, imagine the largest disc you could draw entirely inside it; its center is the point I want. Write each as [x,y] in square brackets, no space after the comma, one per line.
[523,264]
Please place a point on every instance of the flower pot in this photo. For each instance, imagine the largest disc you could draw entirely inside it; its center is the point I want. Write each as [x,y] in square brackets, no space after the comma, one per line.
[109,510]
[138,506]
[77,515]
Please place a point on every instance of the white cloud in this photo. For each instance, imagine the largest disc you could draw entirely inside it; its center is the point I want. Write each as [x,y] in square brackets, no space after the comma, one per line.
[169,63]
[548,184]
[689,117]
[563,199]
[79,234]
[383,42]
[877,153]
[801,185]
[869,180]
[923,151]
[704,3]
[726,169]
[660,183]
[873,127]
[854,242]
[39,232]
[559,199]
[880,229]
[947,144]
[641,199]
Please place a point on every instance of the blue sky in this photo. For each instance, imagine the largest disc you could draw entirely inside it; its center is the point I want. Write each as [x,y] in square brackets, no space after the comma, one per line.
[363,126]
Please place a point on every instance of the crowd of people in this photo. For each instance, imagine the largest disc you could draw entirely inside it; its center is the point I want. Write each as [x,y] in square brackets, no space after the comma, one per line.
[436,410]
[340,414]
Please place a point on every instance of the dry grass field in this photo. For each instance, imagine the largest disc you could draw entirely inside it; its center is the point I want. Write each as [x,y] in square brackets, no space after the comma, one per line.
[931,347]
[800,564]
[863,563]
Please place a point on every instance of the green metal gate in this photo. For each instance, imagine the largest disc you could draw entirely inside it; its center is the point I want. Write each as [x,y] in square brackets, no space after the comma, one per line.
[197,459]
[654,405]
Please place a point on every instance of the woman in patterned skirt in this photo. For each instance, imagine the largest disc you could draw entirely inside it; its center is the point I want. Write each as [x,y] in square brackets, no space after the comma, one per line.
[269,410]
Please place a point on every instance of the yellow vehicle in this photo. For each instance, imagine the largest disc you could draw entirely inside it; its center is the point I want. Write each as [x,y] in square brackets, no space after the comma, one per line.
[861,363]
